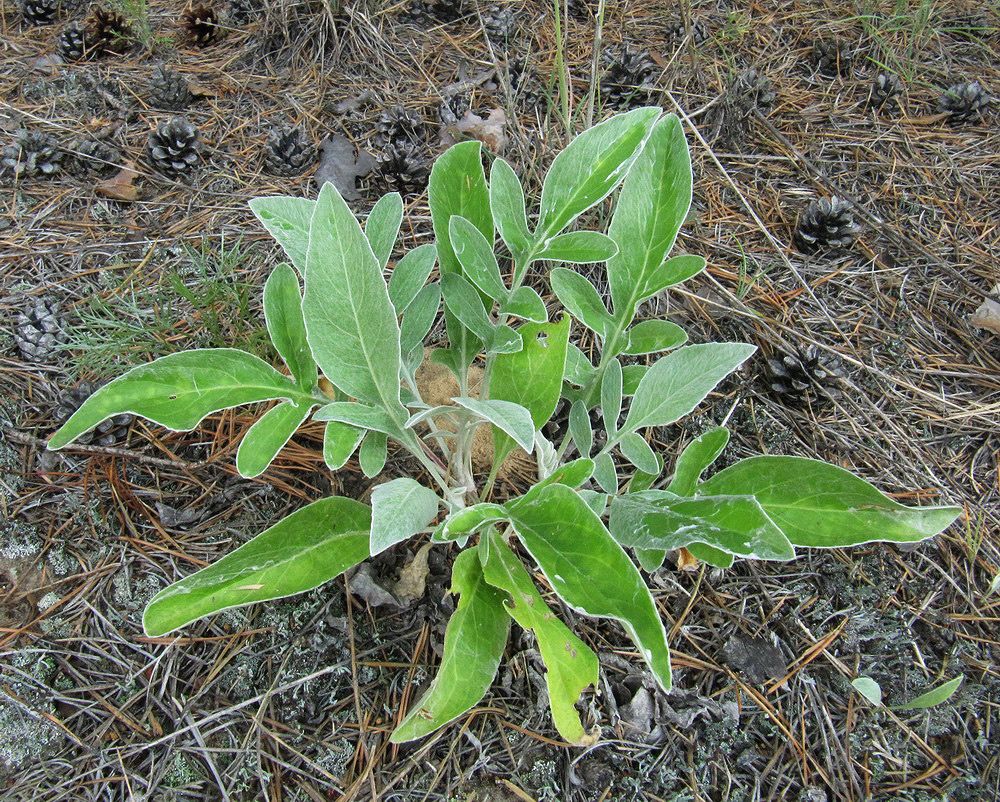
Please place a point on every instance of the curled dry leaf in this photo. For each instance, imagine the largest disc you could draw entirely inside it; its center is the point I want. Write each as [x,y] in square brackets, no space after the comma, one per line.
[491,131]
[412,580]
[987,316]
[121,186]
[339,166]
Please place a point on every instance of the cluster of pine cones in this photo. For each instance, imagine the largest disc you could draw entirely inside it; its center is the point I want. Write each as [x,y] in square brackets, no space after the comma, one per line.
[401,161]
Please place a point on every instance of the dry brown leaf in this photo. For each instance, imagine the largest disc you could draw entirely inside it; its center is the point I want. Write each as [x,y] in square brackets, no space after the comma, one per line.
[339,165]
[686,561]
[491,131]
[121,186]
[412,580]
[987,316]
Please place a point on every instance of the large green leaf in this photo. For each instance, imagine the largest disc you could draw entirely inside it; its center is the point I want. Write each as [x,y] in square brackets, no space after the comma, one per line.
[178,390]
[570,664]
[656,520]
[507,206]
[382,226]
[823,506]
[527,304]
[287,220]
[674,271]
[350,321]
[473,645]
[652,205]
[695,459]
[463,301]
[400,509]
[653,336]
[680,381]
[300,552]
[580,247]
[588,169]
[475,254]
[580,298]
[532,377]
[589,569]
[457,186]
[261,444]
[285,324]
[410,275]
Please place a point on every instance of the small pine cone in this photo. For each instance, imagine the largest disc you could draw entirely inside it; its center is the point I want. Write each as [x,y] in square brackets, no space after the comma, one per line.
[826,224]
[289,151]
[755,90]
[244,11]
[499,24]
[886,89]
[831,57]
[964,102]
[399,124]
[108,31]
[526,87]
[169,90]
[202,23]
[805,375]
[96,156]
[39,331]
[31,153]
[72,42]
[453,108]
[40,12]
[173,148]
[107,433]
[628,77]
[401,165]
[698,29]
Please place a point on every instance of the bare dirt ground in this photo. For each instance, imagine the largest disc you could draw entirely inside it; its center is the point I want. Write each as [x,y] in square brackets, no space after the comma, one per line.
[293,700]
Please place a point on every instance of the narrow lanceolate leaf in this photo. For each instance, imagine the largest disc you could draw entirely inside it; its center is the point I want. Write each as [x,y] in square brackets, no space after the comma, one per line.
[473,645]
[177,391]
[675,270]
[695,459]
[339,442]
[637,451]
[525,303]
[580,428]
[300,552]
[655,520]
[400,509]
[572,474]
[580,298]
[580,247]
[410,275]
[475,254]
[605,473]
[651,207]
[362,416]
[653,336]
[418,318]
[285,324]
[532,377]
[680,381]
[589,570]
[579,369]
[471,519]
[590,167]
[510,418]
[372,454]
[287,220]
[822,506]
[465,304]
[504,340]
[261,444]
[382,226]
[571,666]
[507,206]
[942,693]
[350,321]
[457,186]
[611,396]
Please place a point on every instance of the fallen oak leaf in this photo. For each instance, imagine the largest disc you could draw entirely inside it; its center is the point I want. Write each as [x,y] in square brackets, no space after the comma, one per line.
[490,131]
[121,186]
[339,166]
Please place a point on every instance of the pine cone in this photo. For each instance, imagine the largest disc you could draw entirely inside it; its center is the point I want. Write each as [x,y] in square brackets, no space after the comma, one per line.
[499,24]
[72,42]
[754,90]
[40,12]
[826,224]
[399,124]
[403,167]
[173,148]
[107,433]
[831,57]
[96,156]
[431,12]
[201,21]
[31,153]
[628,77]
[453,108]
[805,375]
[169,90]
[289,151]
[678,29]
[886,89]
[38,331]
[108,31]
[525,86]
[964,102]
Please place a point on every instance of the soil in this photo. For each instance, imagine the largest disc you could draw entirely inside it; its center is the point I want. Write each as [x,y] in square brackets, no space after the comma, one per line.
[294,699]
